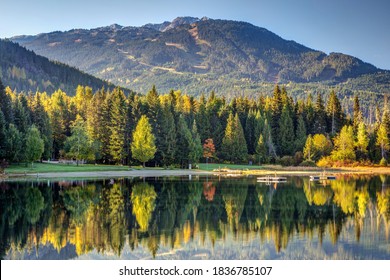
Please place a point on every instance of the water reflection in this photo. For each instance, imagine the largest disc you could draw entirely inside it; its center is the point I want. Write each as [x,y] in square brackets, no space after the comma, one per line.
[207,218]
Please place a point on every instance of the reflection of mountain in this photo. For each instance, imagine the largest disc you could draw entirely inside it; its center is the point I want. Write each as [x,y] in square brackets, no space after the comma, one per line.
[176,219]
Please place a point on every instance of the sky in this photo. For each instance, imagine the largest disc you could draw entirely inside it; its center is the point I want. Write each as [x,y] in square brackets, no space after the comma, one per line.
[360,28]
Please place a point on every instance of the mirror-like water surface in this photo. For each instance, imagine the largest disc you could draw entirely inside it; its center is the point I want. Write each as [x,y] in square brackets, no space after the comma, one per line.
[196,218]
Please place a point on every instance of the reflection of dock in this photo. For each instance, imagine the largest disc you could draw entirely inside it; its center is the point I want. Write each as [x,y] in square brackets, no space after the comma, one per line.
[322,178]
[270,179]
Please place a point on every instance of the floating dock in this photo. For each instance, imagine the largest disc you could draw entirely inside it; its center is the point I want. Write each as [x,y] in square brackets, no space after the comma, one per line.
[322,178]
[270,179]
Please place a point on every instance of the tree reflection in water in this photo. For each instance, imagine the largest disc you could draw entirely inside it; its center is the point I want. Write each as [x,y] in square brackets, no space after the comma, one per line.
[198,218]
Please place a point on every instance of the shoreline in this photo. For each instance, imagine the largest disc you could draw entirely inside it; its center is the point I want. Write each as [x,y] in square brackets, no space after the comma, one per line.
[186,172]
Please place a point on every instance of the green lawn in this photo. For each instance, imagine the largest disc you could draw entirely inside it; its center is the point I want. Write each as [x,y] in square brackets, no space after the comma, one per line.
[56,167]
[212,166]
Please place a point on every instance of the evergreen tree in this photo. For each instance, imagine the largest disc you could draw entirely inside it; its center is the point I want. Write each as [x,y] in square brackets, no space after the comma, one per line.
[250,132]
[261,150]
[300,134]
[335,114]
[286,132]
[234,146]
[143,146]
[357,114]
[267,136]
[3,136]
[6,105]
[34,145]
[183,140]
[196,149]
[202,120]
[319,126]
[117,125]
[15,145]
[168,136]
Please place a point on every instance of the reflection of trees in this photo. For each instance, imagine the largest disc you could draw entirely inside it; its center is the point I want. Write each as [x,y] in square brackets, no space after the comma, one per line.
[116,218]
[143,198]
[317,194]
[34,204]
[344,194]
[234,196]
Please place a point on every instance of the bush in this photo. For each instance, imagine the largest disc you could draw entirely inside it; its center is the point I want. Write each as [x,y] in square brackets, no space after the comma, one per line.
[308,163]
[298,158]
[325,162]
[287,161]
[383,162]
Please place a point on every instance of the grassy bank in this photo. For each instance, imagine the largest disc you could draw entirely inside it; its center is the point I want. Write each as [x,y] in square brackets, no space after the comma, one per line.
[57,167]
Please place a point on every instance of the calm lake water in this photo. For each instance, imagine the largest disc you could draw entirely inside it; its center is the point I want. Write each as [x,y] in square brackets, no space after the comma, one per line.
[196,218]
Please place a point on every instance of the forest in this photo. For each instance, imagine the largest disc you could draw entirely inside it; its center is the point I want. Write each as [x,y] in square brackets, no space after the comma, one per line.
[174,129]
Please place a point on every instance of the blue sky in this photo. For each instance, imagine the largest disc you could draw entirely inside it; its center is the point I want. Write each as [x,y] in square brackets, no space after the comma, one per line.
[357,27]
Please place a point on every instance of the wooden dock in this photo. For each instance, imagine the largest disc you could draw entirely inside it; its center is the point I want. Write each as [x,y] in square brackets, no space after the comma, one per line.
[271,179]
[322,177]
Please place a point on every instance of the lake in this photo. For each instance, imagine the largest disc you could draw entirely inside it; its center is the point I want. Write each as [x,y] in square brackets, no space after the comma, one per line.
[194,217]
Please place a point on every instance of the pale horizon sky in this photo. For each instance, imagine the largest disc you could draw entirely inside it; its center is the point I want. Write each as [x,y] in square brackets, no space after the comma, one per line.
[355,27]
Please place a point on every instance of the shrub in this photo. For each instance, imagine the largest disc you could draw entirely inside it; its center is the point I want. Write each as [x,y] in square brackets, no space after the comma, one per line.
[287,161]
[383,162]
[308,163]
[298,158]
[325,162]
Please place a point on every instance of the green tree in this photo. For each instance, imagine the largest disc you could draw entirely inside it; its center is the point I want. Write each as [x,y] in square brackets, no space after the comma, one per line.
[382,140]
[234,145]
[168,136]
[3,136]
[362,139]
[335,114]
[286,132]
[14,144]
[300,134]
[196,149]
[34,145]
[344,145]
[143,147]
[319,125]
[78,145]
[117,125]
[261,150]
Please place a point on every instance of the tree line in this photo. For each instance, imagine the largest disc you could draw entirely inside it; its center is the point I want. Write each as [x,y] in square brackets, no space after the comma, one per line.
[175,129]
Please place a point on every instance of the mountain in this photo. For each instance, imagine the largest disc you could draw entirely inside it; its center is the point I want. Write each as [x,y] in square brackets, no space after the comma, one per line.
[23,70]
[200,55]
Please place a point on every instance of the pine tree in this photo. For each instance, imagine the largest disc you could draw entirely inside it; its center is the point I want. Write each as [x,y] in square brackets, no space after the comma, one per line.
[143,146]
[234,146]
[196,149]
[250,132]
[335,114]
[117,125]
[261,150]
[300,134]
[202,120]
[183,140]
[168,136]
[286,132]
[319,126]
[357,114]
[3,136]
[15,145]
[6,105]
